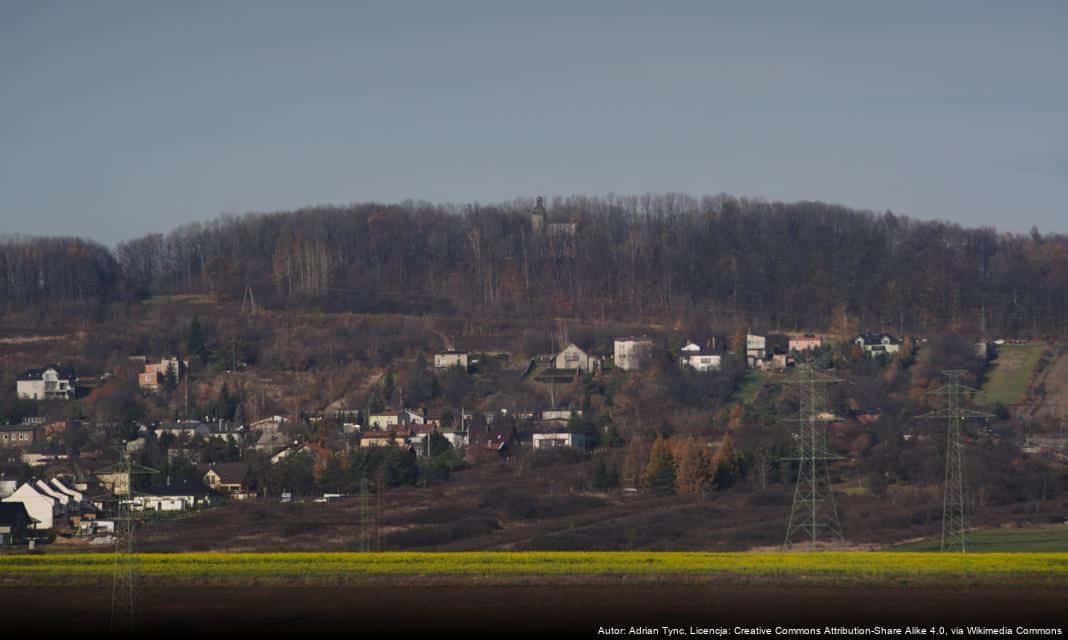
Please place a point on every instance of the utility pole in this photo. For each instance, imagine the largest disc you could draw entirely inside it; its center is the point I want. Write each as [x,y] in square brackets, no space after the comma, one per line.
[814,513]
[953,506]
[123,586]
[248,300]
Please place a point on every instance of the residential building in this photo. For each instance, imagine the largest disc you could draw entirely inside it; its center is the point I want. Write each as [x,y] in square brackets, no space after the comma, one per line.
[116,482]
[380,439]
[175,495]
[18,436]
[877,344]
[54,382]
[392,419]
[559,415]
[42,508]
[77,496]
[807,342]
[630,354]
[152,378]
[458,439]
[270,423]
[449,359]
[553,440]
[15,523]
[496,438]
[574,358]
[756,349]
[225,477]
[701,358]
[63,501]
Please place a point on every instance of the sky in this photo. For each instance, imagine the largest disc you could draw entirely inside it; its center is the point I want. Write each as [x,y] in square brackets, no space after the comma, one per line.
[124,118]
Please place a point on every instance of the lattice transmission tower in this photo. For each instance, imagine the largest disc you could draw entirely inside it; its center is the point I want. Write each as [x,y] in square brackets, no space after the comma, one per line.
[953,505]
[814,514]
[365,516]
[124,580]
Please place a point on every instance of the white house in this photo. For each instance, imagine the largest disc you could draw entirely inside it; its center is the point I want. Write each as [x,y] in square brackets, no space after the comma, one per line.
[62,500]
[54,382]
[41,507]
[562,415]
[574,358]
[553,440]
[700,358]
[631,353]
[449,359]
[756,348]
[458,439]
[877,344]
[270,423]
[78,496]
[395,418]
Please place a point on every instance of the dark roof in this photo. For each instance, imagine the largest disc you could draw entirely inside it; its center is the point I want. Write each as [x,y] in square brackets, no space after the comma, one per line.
[228,472]
[10,511]
[493,435]
[18,427]
[65,373]
[876,337]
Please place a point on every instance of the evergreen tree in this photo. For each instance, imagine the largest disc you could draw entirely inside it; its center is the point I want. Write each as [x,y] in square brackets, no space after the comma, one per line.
[659,476]
[604,476]
[195,342]
[612,437]
[437,444]
[727,464]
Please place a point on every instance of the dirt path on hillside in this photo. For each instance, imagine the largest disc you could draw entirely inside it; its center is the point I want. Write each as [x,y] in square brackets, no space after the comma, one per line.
[1050,390]
[361,390]
[35,339]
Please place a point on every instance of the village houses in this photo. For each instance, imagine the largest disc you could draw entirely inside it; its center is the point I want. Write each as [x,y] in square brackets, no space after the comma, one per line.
[631,354]
[449,359]
[807,342]
[388,420]
[877,344]
[702,358]
[225,477]
[53,382]
[152,378]
[543,441]
[17,436]
[575,359]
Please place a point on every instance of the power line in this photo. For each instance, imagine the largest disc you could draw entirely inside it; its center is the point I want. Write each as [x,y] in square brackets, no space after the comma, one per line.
[814,514]
[954,536]
[123,585]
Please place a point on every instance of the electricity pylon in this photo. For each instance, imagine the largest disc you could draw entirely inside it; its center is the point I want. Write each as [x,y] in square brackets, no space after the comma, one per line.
[953,508]
[365,516]
[123,585]
[814,513]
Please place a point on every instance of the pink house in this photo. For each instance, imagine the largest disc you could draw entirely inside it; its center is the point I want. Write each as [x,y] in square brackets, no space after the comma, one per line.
[806,342]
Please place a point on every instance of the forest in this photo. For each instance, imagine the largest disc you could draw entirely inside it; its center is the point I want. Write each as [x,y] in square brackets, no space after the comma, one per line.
[731,261]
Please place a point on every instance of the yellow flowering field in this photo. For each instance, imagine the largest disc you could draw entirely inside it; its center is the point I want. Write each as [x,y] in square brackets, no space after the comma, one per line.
[846,564]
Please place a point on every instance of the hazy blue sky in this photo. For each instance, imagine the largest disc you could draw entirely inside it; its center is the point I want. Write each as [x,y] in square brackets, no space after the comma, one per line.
[117,119]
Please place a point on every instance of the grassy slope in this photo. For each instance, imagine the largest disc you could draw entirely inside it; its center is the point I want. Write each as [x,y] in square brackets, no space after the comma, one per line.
[1012,371]
[845,564]
[1036,539]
